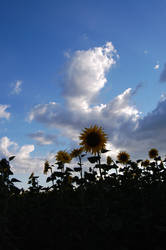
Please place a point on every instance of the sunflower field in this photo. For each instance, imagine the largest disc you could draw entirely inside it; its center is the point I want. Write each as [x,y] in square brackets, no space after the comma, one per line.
[115,204]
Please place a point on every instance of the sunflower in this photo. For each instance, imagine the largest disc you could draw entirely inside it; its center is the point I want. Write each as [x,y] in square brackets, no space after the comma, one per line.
[46,167]
[153,153]
[109,160]
[145,163]
[76,152]
[63,156]
[123,157]
[93,139]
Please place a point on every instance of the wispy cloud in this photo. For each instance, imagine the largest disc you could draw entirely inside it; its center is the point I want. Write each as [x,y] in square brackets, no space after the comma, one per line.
[3,112]
[43,139]
[16,87]
[146,51]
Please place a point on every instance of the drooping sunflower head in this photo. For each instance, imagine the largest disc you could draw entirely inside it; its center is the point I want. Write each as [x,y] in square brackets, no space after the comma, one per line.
[145,163]
[109,160]
[123,157]
[93,139]
[46,167]
[63,156]
[153,153]
[76,152]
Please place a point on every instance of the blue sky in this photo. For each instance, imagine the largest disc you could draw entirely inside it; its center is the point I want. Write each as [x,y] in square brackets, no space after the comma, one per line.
[69,64]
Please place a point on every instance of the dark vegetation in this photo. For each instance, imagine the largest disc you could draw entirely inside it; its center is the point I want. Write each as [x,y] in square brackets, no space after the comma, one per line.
[112,206]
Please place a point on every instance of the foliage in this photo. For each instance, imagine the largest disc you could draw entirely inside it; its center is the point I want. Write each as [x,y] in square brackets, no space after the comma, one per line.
[116,203]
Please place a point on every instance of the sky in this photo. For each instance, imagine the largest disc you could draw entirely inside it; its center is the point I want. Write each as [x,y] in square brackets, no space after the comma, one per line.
[67,65]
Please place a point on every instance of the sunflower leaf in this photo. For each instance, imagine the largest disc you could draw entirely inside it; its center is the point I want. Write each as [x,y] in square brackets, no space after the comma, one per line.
[104,150]
[157,158]
[77,169]
[48,179]
[11,158]
[139,160]
[93,159]
[114,166]
[57,174]
[14,180]
[69,169]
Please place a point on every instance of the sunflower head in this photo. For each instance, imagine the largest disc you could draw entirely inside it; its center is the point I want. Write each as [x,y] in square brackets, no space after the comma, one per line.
[63,156]
[46,167]
[76,152]
[153,153]
[145,163]
[93,139]
[109,160]
[123,157]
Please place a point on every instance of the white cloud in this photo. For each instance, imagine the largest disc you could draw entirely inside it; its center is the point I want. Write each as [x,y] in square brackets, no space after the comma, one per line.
[43,139]
[5,145]
[24,151]
[3,112]
[85,75]
[16,87]
[151,131]
[67,54]
[23,162]
[116,117]
[84,78]
[157,66]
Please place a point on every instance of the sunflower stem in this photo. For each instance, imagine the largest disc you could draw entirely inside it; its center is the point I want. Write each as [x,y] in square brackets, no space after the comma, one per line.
[51,175]
[80,163]
[99,166]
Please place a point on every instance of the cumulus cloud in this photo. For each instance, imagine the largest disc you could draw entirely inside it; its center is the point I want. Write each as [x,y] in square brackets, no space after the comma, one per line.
[163,74]
[43,139]
[3,112]
[85,76]
[151,131]
[23,161]
[6,145]
[16,87]
[115,117]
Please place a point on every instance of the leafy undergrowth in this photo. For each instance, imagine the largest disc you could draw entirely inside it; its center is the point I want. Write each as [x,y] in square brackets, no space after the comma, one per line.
[98,216]
[115,205]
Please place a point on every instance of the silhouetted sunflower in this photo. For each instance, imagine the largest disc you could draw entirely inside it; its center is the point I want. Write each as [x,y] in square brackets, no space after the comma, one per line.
[123,157]
[76,152]
[93,139]
[145,163]
[63,156]
[46,167]
[153,153]
[109,160]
